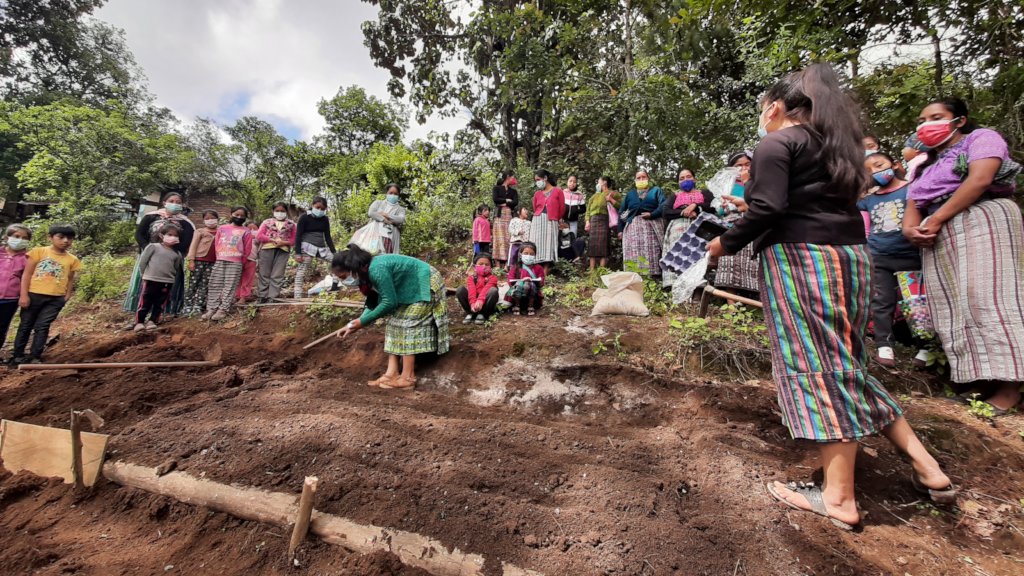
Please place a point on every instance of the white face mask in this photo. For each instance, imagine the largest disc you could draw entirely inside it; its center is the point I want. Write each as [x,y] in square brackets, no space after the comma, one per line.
[540,184]
[210,222]
[529,259]
[18,244]
[280,215]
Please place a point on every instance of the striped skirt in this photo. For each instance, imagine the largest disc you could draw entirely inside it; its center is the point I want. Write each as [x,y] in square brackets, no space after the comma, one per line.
[422,326]
[675,230]
[740,270]
[544,233]
[499,233]
[641,243]
[974,278]
[817,302]
[600,234]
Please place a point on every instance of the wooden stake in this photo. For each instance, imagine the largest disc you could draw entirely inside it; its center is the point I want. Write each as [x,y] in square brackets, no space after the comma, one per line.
[336,304]
[318,340]
[732,297]
[304,514]
[100,365]
[76,450]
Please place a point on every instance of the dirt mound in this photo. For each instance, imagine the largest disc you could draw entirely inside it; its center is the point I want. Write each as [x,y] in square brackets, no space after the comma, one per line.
[521,445]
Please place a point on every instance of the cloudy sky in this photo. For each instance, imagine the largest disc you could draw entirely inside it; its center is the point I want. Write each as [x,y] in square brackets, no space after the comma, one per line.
[275,59]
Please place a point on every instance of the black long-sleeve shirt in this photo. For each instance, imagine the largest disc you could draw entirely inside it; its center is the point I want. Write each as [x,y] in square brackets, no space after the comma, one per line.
[791,197]
[143,229]
[510,196]
[308,223]
[669,213]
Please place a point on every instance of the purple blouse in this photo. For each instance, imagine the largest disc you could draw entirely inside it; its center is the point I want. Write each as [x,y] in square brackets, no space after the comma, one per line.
[939,180]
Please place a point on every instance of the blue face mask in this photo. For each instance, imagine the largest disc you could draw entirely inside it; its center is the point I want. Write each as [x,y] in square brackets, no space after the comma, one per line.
[392,198]
[687,185]
[172,208]
[318,212]
[351,281]
[529,259]
[884,177]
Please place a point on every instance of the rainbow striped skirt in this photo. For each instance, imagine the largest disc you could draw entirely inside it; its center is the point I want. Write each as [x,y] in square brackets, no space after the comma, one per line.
[816,300]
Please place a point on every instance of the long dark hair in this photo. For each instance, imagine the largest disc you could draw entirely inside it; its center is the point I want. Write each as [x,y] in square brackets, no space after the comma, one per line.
[352,259]
[518,264]
[958,108]
[814,98]
[545,175]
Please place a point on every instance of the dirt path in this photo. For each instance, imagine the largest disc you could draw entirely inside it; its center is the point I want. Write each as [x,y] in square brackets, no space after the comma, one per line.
[590,465]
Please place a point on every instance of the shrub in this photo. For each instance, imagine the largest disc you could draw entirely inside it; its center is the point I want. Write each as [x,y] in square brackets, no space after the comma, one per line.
[104,277]
[733,337]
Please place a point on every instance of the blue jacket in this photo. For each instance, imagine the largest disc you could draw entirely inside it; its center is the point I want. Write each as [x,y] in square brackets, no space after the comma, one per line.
[651,203]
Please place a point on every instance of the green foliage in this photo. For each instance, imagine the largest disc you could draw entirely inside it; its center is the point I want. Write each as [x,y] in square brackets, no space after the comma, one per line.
[104,277]
[732,324]
[356,121]
[325,315]
[980,408]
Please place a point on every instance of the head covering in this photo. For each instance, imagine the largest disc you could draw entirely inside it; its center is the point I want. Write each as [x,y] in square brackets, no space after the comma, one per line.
[738,155]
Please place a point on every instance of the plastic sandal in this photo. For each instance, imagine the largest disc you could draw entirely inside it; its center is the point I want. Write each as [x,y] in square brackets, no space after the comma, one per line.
[400,383]
[380,381]
[813,495]
[945,495]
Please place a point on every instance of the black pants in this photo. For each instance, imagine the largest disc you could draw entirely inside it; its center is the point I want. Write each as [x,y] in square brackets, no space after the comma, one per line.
[7,310]
[885,292]
[36,319]
[152,300]
[490,303]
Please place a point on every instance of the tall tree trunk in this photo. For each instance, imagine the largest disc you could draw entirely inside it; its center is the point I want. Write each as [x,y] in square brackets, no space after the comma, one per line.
[629,73]
[937,46]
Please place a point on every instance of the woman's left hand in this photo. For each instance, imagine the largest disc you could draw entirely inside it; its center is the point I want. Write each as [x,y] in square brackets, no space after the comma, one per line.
[646,215]
[690,211]
[716,249]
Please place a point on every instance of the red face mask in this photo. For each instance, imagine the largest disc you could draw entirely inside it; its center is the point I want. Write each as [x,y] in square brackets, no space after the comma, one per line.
[936,132]
[512,181]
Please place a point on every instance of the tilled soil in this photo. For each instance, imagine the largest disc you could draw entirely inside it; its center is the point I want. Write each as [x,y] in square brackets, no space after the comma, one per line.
[521,445]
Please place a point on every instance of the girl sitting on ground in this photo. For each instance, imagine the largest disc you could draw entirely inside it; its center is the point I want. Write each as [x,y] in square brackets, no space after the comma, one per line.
[525,280]
[479,297]
[159,266]
[201,257]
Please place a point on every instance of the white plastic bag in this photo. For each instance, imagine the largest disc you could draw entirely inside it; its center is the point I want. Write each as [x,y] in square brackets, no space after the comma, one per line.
[721,184]
[687,282]
[368,238]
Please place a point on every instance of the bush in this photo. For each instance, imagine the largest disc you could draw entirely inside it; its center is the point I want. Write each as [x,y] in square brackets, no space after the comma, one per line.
[325,315]
[104,277]
[732,337]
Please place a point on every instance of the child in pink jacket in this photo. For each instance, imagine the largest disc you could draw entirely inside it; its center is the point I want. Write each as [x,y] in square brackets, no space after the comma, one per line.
[233,243]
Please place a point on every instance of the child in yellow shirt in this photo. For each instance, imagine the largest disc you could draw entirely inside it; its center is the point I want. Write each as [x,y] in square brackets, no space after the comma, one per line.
[46,285]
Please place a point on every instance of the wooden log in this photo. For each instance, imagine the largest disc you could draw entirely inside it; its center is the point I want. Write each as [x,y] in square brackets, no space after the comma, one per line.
[77,475]
[732,297]
[323,339]
[278,509]
[337,304]
[304,514]
[104,365]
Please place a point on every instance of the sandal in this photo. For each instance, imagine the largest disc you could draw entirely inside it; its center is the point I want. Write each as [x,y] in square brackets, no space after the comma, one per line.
[945,495]
[379,382]
[531,312]
[400,383]
[813,495]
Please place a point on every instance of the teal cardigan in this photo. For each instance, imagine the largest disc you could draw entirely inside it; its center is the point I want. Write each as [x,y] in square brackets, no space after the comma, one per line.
[399,280]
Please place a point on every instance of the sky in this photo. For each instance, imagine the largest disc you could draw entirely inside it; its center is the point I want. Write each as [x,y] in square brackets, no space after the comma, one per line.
[275,59]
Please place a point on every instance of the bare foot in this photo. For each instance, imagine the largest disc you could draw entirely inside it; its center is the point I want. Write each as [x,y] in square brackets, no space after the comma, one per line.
[932,478]
[1007,396]
[842,511]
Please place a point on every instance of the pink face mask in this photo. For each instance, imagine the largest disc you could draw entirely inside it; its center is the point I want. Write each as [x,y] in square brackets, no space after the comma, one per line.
[935,132]
[482,270]
[170,240]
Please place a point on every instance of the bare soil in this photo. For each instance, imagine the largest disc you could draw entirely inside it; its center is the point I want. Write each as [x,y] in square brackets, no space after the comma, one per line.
[522,445]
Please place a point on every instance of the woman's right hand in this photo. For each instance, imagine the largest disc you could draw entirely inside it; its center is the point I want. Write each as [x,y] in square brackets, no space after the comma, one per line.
[919,238]
[739,203]
[191,266]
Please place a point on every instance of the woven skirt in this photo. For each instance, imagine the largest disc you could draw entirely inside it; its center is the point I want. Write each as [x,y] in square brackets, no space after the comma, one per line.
[675,230]
[131,300]
[600,234]
[817,303]
[422,326]
[544,233]
[499,233]
[974,278]
[641,243]
[740,270]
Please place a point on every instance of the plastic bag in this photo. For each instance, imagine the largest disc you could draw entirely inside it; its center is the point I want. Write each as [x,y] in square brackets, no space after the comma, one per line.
[919,318]
[624,295]
[721,184]
[687,282]
[369,239]
[613,216]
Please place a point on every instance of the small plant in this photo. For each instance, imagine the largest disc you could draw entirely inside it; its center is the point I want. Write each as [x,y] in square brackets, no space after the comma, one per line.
[325,314]
[251,312]
[930,509]
[600,347]
[980,408]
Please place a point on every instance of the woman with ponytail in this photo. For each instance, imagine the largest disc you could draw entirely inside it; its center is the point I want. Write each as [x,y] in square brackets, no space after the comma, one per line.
[960,213]
[802,217]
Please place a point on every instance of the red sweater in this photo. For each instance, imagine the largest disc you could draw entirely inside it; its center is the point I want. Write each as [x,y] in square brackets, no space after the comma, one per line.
[555,203]
[479,287]
[517,273]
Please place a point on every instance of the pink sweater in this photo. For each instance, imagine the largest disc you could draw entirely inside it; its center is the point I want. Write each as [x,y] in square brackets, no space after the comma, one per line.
[233,243]
[481,230]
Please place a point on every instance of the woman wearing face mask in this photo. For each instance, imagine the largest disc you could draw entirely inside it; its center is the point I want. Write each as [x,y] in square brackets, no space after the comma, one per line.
[390,217]
[548,209]
[679,210]
[599,221]
[802,216]
[312,240]
[275,239]
[972,250]
[149,226]
[410,294]
[640,225]
[506,205]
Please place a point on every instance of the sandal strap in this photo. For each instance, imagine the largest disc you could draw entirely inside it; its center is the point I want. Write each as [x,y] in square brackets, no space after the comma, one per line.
[813,495]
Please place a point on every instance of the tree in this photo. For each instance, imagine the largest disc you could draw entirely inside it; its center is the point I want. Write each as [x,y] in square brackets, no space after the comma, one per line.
[356,121]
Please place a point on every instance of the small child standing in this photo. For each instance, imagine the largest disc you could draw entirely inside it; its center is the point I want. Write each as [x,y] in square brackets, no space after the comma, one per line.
[890,251]
[247,283]
[518,232]
[201,257]
[46,286]
[479,296]
[13,258]
[233,244]
[525,281]
[482,230]
[158,266]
